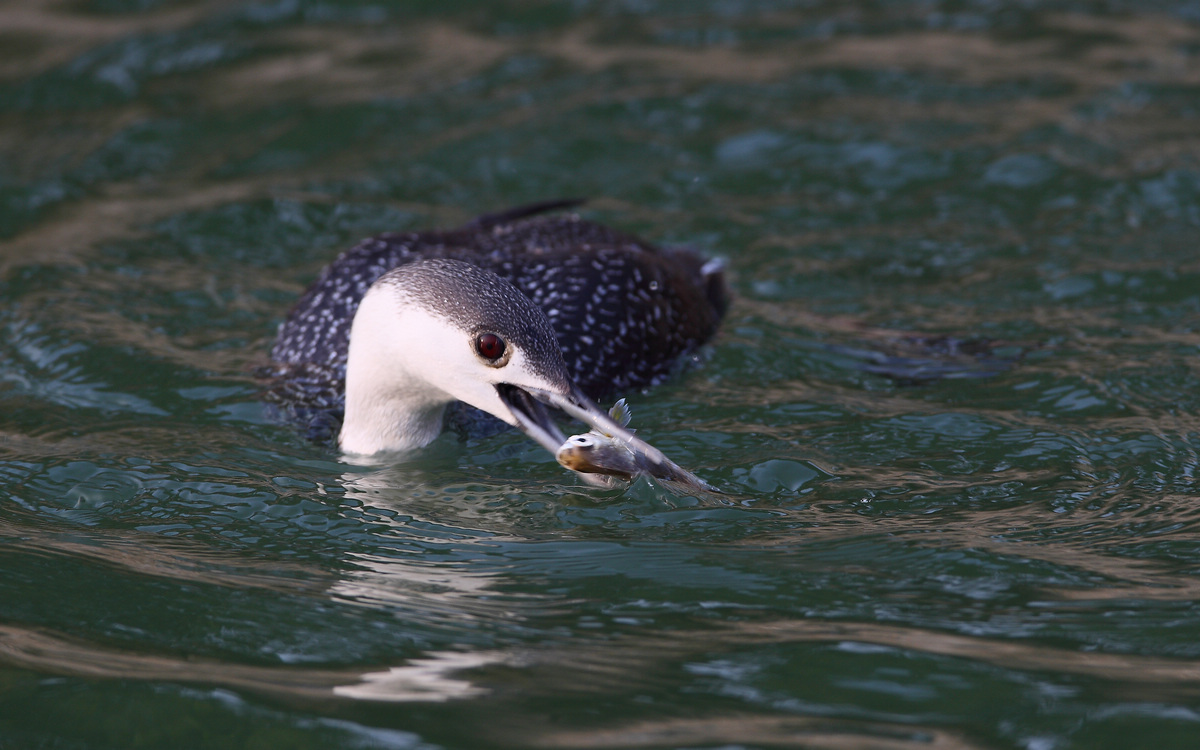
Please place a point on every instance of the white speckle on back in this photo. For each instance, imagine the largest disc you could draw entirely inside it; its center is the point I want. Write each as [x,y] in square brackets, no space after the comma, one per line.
[623,310]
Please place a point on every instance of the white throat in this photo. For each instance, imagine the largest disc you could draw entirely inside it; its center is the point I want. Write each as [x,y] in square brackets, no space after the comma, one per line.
[390,404]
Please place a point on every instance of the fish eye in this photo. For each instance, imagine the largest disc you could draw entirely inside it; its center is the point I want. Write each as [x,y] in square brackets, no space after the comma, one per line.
[491,347]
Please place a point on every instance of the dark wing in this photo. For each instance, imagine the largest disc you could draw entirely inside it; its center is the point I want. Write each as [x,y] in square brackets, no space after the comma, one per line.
[317,328]
[624,310]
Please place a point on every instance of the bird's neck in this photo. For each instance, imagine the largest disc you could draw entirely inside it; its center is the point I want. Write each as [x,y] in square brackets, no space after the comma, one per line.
[388,407]
[377,421]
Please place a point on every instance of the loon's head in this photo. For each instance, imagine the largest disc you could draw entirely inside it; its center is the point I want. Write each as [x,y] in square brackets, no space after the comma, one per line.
[434,331]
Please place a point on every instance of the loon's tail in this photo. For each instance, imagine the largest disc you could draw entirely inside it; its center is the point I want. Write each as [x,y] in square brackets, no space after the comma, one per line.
[523,212]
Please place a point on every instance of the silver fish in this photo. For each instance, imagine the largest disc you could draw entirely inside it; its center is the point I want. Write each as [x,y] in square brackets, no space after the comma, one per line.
[615,452]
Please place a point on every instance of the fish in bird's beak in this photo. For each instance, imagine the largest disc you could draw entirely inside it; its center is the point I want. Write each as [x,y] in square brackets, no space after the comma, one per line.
[528,406]
[599,452]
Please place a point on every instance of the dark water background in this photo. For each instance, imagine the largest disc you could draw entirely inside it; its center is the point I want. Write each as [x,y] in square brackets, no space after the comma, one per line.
[982,541]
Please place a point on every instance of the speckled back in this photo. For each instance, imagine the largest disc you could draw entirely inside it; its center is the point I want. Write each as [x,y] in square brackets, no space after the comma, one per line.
[623,310]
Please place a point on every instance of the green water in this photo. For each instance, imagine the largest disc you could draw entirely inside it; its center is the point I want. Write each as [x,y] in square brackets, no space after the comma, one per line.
[918,547]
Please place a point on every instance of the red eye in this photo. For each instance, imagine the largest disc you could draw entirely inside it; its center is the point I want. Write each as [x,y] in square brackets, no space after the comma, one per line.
[489,346]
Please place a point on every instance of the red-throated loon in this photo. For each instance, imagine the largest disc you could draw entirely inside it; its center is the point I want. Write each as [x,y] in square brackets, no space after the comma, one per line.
[507,313]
